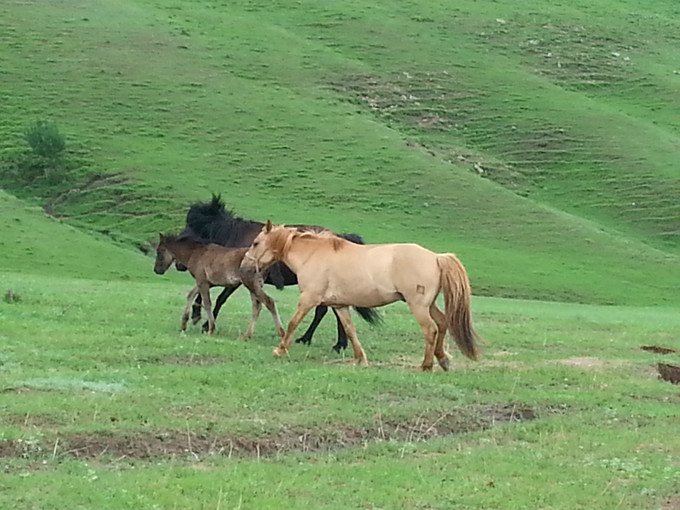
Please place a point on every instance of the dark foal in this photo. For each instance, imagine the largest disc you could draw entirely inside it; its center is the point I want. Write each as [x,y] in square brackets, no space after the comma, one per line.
[212,265]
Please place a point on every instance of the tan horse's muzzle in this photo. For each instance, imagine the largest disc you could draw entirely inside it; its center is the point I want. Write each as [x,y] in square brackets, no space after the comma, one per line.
[255,262]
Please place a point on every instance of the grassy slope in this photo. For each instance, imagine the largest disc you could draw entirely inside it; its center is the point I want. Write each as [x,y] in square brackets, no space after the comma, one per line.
[33,243]
[245,101]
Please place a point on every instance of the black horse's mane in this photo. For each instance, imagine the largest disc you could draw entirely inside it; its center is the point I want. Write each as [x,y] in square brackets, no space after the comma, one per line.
[214,222]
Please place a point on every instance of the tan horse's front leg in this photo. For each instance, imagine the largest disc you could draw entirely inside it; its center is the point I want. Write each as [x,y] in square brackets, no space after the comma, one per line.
[346,318]
[303,308]
[190,299]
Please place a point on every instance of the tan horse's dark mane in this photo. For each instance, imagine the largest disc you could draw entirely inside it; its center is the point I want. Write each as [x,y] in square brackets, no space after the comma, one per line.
[283,237]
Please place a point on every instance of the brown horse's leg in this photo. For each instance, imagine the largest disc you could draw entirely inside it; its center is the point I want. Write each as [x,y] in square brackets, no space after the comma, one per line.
[304,306]
[204,289]
[185,316]
[257,306]
[258,293]
[345,317]
[443,357]
[221,299]
[429,327]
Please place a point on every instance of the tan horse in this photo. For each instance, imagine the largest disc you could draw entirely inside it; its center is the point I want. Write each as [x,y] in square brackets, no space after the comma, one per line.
[337,273]
[213,265]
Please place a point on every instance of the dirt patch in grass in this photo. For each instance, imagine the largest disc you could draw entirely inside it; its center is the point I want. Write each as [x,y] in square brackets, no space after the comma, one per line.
[671,503]
[197,444]
[32,420]
[659,349]
[670,373]
[583,362]
[192,360]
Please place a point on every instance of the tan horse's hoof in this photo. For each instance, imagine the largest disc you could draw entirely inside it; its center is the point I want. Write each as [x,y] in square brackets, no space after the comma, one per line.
[445,364]
[279,352]
[363,362]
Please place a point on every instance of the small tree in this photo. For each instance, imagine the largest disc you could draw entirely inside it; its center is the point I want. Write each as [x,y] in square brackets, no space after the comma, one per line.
[45,140]
[46,161]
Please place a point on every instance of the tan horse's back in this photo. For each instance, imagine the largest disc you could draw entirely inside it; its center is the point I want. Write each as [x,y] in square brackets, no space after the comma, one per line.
[373,275]
[415,271]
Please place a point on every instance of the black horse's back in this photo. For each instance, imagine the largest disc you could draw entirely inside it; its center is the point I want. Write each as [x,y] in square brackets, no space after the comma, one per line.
[354,238]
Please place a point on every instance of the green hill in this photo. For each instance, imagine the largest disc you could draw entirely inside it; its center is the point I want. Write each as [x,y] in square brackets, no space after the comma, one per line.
[538,142]
[32,242]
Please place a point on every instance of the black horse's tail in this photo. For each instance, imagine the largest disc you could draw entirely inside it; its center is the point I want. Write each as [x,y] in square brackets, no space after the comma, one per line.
[370,315]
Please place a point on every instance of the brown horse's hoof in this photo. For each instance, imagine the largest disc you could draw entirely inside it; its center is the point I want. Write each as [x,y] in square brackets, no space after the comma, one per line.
[279,352]
[362,362]
[424,368]
[445,364]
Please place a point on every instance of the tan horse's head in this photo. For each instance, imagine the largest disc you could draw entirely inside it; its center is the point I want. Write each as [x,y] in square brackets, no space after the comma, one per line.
[268,247]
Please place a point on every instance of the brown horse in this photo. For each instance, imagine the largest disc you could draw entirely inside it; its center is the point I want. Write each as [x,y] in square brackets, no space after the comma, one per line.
[334,272]
[213,265]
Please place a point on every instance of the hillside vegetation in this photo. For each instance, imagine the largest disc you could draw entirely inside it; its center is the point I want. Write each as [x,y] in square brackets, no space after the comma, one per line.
[539,143]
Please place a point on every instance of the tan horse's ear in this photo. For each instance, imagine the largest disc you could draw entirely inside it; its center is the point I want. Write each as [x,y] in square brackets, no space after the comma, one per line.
[268,226]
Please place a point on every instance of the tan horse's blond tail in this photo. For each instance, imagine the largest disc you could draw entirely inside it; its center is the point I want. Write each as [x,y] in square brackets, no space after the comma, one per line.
[458,304]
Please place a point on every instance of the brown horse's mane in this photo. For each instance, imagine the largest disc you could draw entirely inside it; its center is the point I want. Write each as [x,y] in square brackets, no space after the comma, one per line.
[282,238]
[186,238]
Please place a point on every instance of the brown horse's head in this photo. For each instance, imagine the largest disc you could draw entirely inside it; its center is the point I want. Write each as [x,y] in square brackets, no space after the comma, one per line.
[164,257]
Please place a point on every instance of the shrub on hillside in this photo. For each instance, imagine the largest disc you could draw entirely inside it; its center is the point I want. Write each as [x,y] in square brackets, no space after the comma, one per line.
[45,140]
[44,161]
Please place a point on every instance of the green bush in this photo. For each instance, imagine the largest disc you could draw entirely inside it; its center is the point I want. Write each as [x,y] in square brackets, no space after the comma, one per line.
[45,161]
[45,139]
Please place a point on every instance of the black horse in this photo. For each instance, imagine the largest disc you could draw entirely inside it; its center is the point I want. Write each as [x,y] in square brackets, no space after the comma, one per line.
[212,222]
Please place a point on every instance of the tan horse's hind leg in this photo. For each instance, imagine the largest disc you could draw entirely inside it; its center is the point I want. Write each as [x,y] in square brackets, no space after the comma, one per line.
[345,317]
[443,357]
[429,327]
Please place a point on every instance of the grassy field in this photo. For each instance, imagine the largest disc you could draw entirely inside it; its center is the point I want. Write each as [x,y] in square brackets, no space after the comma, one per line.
[105,405]
[538,142]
